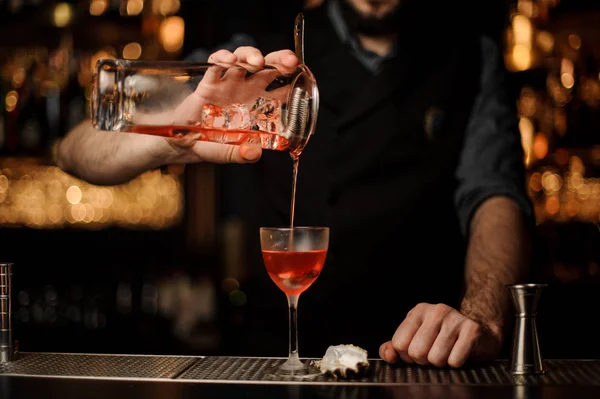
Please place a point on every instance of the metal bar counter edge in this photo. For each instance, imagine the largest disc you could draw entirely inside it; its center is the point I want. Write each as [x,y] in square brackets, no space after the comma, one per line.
[65,375]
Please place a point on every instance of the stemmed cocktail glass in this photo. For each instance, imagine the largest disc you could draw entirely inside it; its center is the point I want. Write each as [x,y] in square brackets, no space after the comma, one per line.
[294,258]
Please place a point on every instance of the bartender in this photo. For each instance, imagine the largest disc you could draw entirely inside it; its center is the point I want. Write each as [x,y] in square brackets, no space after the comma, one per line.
[416,166]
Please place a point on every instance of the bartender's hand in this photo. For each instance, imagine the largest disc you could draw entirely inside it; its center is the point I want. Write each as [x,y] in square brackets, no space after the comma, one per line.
[226,83]
[441,336]
[110,158]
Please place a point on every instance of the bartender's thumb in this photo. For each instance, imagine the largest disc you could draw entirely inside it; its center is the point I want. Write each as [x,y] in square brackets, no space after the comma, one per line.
[250,153]
[225,153]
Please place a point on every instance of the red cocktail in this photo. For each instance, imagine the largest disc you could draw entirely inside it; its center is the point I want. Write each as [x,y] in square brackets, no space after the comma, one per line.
[292,271]
[294,258]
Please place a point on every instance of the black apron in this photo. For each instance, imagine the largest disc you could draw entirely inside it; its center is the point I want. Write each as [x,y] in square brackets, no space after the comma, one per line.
[379,171]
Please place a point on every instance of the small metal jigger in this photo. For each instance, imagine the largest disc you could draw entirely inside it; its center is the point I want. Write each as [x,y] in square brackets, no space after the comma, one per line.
[7,349]
[526,357]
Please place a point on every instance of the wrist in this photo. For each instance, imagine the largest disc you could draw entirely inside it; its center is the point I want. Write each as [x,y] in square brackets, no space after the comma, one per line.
[495,329]
[156,151]
[491,320]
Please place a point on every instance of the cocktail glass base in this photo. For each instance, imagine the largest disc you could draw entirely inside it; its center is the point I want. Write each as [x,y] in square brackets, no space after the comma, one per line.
[294,370]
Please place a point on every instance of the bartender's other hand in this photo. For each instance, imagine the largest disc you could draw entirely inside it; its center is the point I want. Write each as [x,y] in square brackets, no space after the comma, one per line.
[232,86]
[252,58]
[226,82]
[441,336]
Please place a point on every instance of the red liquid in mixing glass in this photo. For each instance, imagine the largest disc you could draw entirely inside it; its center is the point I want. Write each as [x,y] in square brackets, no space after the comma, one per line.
[267,140]
[294,272]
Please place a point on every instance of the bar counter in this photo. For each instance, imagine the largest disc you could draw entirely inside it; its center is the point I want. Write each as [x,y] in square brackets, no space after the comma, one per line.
[146,376]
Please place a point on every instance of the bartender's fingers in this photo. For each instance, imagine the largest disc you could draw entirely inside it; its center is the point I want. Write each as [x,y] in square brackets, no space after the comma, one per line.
[236,73]
[219,153]
[213,74]
[221,59]
[225,153]
[250,153]
[250,57]
[468,336]
[284,60]
[442,347]
[423,340]
[435,318]
[406,331]
[387,353]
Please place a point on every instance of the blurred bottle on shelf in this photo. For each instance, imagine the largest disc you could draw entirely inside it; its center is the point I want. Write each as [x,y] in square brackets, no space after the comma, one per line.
[34,88]
[554,62]
[573,84]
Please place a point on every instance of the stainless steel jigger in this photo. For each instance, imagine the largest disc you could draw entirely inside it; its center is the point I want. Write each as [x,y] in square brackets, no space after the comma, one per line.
[7,349]
[526,357]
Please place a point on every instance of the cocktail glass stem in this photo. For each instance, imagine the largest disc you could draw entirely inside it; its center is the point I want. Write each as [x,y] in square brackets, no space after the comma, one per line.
[293,362]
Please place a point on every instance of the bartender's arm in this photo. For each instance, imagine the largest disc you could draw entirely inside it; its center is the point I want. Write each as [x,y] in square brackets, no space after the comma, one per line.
[108,158]
[496,217]
[102,157]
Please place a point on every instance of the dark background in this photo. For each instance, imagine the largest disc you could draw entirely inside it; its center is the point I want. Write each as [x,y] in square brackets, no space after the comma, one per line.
[172,290]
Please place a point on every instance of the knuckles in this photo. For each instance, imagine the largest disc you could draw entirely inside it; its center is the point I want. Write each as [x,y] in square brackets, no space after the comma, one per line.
[436,359]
